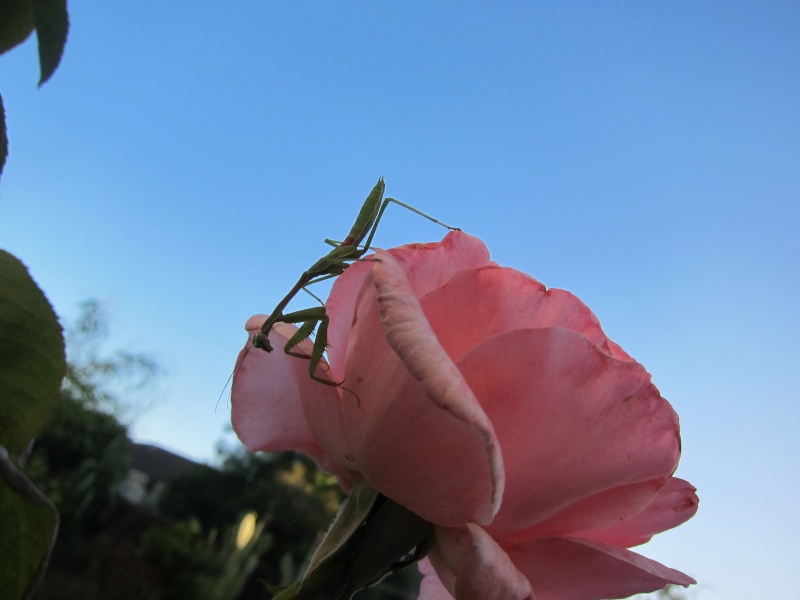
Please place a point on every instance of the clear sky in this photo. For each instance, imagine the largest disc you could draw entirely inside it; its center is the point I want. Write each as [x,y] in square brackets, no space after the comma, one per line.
[187,159]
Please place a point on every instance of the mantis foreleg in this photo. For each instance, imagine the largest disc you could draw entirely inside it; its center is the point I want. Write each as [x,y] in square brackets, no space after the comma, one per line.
[309,320]
[384,204]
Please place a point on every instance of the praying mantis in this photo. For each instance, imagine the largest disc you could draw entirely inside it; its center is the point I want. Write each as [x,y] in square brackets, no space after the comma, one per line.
[333,264]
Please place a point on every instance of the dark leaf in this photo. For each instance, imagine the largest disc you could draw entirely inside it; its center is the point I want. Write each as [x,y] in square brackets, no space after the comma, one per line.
[52,23]
[3,137]
[353,513]
[16,23]
[29,523]
[392,538]
[32,361]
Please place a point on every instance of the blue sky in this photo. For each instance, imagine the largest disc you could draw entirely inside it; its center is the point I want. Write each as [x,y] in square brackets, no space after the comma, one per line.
[186,161]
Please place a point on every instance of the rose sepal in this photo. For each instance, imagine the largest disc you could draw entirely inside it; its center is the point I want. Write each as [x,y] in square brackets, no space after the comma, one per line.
[371,537]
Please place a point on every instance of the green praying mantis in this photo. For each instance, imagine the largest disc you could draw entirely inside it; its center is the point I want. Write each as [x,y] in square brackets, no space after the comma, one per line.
[315,320]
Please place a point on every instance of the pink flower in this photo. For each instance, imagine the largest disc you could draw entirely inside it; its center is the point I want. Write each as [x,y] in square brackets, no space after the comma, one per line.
[492,407]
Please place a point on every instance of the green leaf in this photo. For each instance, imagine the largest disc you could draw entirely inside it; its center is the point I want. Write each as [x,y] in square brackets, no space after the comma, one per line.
[353,513]
[393,537]
[52,25]
[3,137]
[371,537]
[328,567]
[32,361]
[29,523]
[16,23]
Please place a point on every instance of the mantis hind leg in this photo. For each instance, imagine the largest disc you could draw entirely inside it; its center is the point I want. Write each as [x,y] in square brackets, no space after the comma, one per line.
[385,203]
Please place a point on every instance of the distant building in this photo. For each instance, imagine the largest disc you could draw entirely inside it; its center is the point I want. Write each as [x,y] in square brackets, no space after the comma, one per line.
[151,470]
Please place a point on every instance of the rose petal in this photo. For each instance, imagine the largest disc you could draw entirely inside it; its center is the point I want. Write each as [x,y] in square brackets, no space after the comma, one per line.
[479,303]
[431,587]
[410,336]
[428,266]
[674,504]
[574,569]
[625,516]
[471,565]
[426,444]
[606,509]
[267,397]
[573,421]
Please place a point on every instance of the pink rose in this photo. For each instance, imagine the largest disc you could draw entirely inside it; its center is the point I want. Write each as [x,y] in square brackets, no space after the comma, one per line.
[490,406]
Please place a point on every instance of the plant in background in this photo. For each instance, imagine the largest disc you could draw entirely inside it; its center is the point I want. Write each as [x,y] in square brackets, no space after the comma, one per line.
[120,382]
[84,452]
[78,460]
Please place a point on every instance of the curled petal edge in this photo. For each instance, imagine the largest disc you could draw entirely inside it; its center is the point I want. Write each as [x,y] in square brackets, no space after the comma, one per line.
[413,340]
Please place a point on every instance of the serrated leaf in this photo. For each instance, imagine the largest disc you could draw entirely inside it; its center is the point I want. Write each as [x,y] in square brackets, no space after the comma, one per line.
[3,137]
[32,361]
[29,523]
[52,24]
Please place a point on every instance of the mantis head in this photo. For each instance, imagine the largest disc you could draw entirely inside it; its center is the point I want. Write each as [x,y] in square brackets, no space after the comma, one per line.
[261,342]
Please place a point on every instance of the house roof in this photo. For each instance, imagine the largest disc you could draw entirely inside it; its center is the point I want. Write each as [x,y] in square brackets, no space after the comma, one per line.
[157,463]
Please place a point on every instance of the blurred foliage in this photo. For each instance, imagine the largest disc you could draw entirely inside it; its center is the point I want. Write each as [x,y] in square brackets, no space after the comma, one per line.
[78,460]
[296,502]
[111,549]
[179,558]
[120,382]
[293,497]
[188,548]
